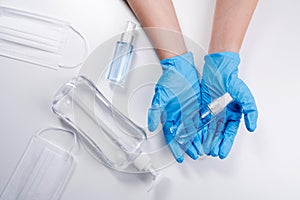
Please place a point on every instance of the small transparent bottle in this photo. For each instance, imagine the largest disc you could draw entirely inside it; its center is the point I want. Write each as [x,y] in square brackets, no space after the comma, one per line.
[209,112]
[122,56]
[189,127]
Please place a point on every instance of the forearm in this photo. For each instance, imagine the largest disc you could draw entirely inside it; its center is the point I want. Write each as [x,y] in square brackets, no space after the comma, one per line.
[159,19]
[231,20]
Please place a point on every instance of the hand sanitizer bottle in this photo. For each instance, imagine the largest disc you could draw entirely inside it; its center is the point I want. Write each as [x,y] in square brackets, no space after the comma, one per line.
[188,128]
[122,56]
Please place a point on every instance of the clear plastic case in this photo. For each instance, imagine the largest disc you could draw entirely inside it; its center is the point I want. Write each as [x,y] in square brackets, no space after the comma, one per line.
[108,134]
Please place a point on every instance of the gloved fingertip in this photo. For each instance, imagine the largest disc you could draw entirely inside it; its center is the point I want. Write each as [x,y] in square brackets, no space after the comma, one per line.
[177,152]
[251,121]
[153,119]
[199,149]
[250,126]
[192,152]
[198,144]
[201,153]
[225,147]
[194,156]
[206,150]
[180,159]
[214,153]
[152,125]
[221,156]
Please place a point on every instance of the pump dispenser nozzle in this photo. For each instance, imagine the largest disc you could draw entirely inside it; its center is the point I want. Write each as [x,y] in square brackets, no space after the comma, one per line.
[143,164]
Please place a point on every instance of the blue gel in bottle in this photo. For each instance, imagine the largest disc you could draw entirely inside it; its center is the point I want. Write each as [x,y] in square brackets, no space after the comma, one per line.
[122,56]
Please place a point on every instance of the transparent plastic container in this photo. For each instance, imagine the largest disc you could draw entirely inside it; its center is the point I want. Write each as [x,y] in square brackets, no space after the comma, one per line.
[122,56]
[108,135]
[198,120]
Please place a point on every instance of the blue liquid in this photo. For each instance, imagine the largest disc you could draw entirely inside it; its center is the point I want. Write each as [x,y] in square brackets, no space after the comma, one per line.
[120,63]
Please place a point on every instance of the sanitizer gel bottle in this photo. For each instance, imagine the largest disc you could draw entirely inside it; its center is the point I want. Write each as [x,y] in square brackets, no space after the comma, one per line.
[121,59]
[108,135]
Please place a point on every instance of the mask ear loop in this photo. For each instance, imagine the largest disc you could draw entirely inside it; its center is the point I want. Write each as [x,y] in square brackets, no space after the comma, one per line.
[84,55]
[73,150]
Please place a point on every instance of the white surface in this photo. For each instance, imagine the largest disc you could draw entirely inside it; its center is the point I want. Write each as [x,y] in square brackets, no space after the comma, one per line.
[263,165]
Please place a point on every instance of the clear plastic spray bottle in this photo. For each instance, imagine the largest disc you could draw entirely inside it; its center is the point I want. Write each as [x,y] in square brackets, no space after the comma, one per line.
[188,128]
[209,112]
[122,56]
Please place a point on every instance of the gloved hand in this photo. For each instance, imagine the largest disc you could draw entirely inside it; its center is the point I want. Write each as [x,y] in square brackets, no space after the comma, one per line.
[220,75]
[177,95]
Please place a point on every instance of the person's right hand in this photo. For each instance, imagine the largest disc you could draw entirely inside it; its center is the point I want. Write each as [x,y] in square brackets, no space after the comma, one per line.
[177,96]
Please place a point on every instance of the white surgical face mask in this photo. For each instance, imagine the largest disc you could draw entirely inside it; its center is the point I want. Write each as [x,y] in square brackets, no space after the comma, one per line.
[42,171]
[40,40]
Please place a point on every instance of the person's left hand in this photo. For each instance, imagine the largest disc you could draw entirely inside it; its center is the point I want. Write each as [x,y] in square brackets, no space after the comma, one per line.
[220,75]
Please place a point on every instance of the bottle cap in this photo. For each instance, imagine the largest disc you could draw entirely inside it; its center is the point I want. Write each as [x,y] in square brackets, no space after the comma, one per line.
[130,26]
[129,31]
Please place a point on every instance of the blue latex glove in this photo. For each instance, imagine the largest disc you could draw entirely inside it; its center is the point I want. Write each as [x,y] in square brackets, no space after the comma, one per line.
[177,95]
[220,75]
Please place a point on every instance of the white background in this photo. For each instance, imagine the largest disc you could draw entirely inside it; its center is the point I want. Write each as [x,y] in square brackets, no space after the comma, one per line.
[262,165]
